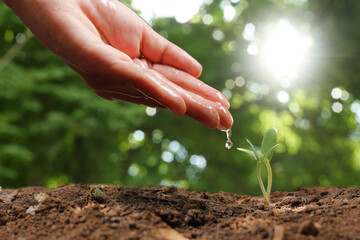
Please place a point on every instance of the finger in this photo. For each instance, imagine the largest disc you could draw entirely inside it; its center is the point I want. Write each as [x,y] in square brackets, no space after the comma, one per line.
[155,86]
[226,120]
[159,50]
[199,109]
[210,114]
[137,100]
[195,86]
[190,83]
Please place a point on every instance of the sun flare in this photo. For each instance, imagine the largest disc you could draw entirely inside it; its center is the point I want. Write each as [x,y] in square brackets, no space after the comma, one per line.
[285,50]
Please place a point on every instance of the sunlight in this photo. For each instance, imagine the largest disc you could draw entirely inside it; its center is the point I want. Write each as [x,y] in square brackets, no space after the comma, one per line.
[182,11]
[285,50]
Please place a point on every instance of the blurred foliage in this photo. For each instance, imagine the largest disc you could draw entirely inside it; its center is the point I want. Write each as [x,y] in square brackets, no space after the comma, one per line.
[54,129]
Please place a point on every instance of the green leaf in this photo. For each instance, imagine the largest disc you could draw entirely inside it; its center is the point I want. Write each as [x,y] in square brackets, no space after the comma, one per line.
[269,152]
[247,151]
[254,150]
[269,141]
[98,192]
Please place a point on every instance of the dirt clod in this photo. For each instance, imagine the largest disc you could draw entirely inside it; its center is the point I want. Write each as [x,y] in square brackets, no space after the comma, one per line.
[293,201]
[308,228]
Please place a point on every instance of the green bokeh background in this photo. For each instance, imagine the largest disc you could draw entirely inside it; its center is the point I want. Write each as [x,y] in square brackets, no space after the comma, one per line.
[54,129]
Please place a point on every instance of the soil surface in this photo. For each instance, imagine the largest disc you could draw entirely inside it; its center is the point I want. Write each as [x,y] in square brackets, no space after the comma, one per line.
[70,212]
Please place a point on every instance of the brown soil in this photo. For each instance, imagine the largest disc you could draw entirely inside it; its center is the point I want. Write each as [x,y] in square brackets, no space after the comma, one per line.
[67,212]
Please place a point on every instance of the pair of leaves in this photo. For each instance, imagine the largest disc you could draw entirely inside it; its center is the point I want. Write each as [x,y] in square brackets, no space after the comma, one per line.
[267,147]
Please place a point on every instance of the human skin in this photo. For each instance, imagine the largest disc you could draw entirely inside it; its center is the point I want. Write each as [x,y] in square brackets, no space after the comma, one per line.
[122,58]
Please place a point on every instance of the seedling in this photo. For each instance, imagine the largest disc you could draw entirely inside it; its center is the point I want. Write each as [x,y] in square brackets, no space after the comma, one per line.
[264,156]
[98,192]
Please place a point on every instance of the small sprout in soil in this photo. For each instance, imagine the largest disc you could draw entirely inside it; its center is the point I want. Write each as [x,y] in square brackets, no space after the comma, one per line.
[98,192]
[89,193]
[264,156]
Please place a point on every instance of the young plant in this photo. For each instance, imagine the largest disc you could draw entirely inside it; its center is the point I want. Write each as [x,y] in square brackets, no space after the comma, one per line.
[267,151]
[98,192]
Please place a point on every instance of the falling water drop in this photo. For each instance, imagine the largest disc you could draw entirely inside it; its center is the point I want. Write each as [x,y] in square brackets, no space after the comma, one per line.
[228,143]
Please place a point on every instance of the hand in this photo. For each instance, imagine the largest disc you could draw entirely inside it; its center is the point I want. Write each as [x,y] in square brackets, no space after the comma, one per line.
[122,58]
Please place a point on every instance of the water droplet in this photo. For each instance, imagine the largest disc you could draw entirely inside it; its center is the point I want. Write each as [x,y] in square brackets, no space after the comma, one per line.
[228,143]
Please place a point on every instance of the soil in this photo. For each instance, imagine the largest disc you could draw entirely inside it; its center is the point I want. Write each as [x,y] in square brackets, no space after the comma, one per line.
[69,212]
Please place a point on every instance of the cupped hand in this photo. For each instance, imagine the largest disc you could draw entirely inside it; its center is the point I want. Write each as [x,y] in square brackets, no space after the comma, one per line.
[122,58]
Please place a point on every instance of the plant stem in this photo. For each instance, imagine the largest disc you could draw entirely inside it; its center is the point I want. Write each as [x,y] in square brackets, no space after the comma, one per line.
[261,182]
[89,193]
[269,172]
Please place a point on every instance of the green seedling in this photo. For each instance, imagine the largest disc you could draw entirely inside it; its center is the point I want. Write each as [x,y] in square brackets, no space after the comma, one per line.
[264,156]
[98,192]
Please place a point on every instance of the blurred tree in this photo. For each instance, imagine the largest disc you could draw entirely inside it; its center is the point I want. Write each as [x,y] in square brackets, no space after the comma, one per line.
[53,129]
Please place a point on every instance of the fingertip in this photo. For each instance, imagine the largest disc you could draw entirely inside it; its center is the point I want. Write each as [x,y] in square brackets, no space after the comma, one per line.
[212,120]
[188,64]
[173,101]
[202,111]
[188,82]
[198,68]
[224,127]
[226,119]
